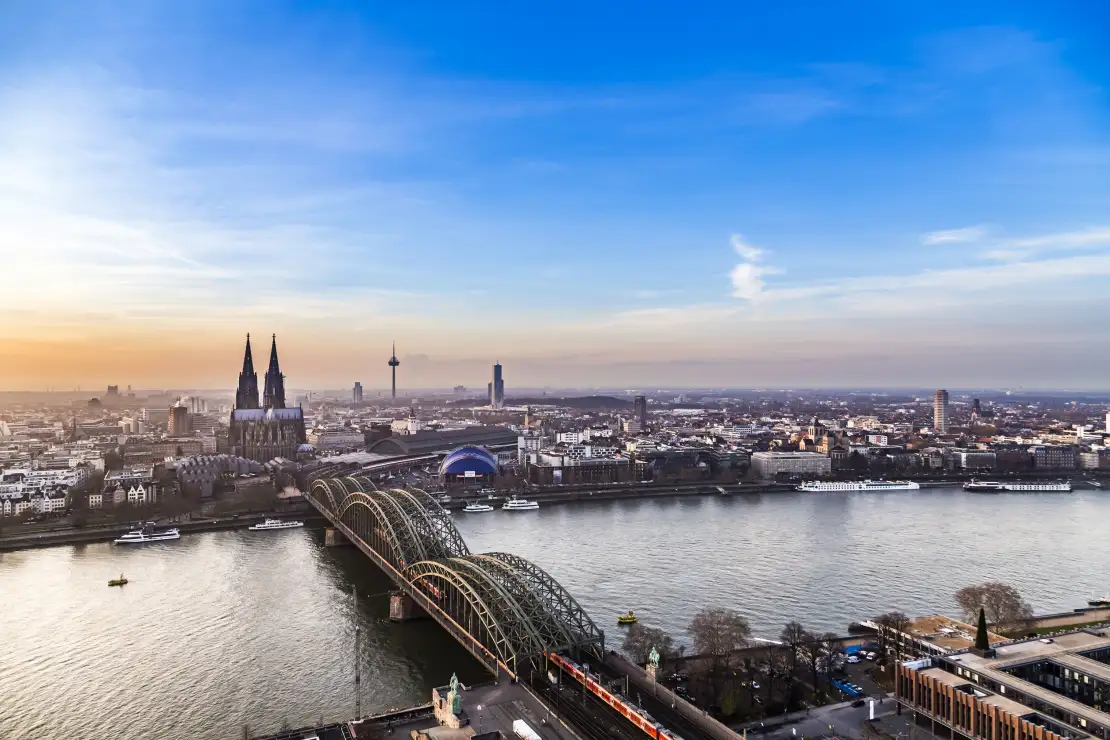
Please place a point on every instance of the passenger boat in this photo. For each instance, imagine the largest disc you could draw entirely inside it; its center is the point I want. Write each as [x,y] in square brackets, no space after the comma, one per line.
[1064,487]
[147,533]
[996,487]
[274,524]
[519,504]
[629,618]
[823,486]
[476,508]
[121,581]
[984,486]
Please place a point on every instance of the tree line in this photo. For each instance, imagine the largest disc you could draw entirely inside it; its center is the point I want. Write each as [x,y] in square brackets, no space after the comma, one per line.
[723,648]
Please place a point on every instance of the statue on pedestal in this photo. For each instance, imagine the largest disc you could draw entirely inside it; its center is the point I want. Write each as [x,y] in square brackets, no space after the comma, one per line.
[453,698]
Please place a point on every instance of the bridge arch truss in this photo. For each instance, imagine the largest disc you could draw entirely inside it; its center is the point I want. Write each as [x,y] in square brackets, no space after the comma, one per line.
[513,608]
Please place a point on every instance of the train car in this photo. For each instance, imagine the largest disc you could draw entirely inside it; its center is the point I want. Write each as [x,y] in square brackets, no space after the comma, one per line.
[624,706]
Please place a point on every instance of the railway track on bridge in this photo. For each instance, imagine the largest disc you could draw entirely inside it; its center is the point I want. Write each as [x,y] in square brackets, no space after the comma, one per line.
[505,610]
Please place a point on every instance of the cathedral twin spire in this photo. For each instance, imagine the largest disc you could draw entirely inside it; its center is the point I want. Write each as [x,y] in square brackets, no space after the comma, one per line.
[274,395]
[246,396]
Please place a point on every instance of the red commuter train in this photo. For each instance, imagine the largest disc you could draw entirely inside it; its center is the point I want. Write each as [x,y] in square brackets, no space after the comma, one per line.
[626,707]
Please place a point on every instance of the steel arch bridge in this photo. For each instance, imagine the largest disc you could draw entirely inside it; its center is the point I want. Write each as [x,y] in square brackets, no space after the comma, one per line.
[506,610]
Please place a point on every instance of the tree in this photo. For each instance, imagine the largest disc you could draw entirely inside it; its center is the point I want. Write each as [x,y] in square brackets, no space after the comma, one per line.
[892,633]
[718,633]
[793,637]
[639,640]
[982,638]
[1002,604]
[814,652]
[113,460]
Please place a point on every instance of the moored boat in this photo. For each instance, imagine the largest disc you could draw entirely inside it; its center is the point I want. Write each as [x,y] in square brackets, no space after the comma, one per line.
[147,533]
[519,504]
[824,486]
[274,524]
[984,486]
[475,507]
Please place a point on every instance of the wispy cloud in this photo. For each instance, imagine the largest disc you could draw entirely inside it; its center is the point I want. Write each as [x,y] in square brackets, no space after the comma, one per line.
[1093,237]
[955,236]
[747,277]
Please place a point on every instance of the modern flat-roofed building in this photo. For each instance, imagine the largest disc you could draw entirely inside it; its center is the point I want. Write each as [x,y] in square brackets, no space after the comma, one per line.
[1035,689]
[767,465]
[934,635]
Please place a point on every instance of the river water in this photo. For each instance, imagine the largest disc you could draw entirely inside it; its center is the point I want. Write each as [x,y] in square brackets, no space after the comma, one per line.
[226,629]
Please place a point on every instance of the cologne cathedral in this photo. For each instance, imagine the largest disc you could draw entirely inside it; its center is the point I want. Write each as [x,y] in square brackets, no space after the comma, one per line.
[263,432]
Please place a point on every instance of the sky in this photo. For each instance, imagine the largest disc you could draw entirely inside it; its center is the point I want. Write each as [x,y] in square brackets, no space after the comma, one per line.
[594,194]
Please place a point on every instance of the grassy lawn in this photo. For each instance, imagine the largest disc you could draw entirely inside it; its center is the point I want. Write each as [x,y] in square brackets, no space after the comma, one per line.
[1068,628]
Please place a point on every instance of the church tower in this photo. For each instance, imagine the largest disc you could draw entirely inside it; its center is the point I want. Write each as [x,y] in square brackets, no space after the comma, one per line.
[274,395]
[246,396]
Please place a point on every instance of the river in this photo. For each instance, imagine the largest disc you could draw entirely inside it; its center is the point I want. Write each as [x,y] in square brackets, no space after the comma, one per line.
[226,629]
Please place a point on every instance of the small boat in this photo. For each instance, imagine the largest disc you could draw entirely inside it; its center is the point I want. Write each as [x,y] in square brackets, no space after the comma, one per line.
[519,504]
[274,524]
[147,533]
[121,581]
[629,618]
[476,508]
[1104,601]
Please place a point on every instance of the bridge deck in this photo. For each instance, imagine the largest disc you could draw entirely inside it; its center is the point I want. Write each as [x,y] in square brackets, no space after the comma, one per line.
[472,644]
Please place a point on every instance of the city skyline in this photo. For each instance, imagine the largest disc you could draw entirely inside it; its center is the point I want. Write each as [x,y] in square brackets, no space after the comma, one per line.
[916,199]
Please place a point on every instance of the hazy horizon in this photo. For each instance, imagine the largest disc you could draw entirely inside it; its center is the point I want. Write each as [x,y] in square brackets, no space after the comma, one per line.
[594,196]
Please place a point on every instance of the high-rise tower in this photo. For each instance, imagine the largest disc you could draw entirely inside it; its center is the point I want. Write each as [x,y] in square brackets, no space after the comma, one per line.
[246,396]
[639,411]
[393,363]
[497,388]
[940,412]
[274,395]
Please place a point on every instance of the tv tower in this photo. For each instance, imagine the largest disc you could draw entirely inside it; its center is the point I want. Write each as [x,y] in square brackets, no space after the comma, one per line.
[393,363]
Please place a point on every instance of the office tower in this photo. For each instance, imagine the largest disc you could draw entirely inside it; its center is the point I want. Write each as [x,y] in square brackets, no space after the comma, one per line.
[639,410]
[180,422]
[393,363]
[356,393]
[940,412]
[497,388]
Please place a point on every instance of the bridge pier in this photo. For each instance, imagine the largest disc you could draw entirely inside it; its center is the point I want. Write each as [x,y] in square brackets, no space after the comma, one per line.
[402,608]
[335,538]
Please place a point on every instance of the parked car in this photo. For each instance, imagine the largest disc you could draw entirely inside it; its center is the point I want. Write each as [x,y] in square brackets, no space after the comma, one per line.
[853,658]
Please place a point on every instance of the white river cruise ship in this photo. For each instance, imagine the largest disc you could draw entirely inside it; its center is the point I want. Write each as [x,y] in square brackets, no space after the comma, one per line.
[823,486]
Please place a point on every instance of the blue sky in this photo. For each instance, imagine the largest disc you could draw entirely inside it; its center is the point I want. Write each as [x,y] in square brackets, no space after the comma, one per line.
[800,193]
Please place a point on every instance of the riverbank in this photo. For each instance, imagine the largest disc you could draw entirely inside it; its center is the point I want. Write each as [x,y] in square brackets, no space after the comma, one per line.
[626,493]
[86,535]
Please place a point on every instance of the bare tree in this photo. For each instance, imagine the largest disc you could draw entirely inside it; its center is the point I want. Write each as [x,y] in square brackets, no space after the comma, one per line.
[892,633]
[1005,607]
[793,637]
[718,633]
[814,652]
[639,640]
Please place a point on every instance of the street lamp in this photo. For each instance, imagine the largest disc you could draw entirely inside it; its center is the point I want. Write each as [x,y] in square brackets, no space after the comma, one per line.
[479,719]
